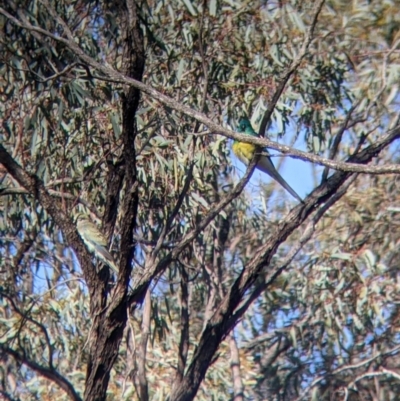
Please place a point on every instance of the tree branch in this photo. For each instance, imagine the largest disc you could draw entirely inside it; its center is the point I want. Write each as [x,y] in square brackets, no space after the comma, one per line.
[184,338]
[49,374]
[222,322]
[140,377]
[238,390]
[336,142]
[305,237]
[152,268]
[36,188]
[109,323]
[215,129]
[348,367]
[292,68]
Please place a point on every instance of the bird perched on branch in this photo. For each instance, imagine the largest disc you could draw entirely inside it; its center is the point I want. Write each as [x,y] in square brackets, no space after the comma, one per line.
[94,240]
[245,152]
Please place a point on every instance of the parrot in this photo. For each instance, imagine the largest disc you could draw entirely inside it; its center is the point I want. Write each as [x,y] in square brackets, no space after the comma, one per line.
[245,151]
[94,240]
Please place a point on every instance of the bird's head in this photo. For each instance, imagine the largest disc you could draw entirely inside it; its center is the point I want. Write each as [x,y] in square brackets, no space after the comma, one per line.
[245,126]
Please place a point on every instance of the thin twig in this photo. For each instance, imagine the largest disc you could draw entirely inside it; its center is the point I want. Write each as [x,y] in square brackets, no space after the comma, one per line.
[152,268]
[348,367]
[336,142]
[292,68]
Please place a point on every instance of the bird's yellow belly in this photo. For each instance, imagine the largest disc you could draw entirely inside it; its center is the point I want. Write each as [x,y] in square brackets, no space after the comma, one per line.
[244,151]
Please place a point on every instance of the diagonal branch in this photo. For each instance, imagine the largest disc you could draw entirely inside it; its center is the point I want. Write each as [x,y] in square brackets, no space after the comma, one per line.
[36,188]
[292,68]
[347,166]
[189,175]
[152,268]
[25,316]
[176,208]
[305,237]
[50,374]
[338,138]
[112,75]
[222,322]
[395,350]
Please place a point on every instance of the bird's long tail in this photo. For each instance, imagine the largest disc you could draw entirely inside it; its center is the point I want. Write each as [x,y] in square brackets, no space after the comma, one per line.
[106,258]
[265,164]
